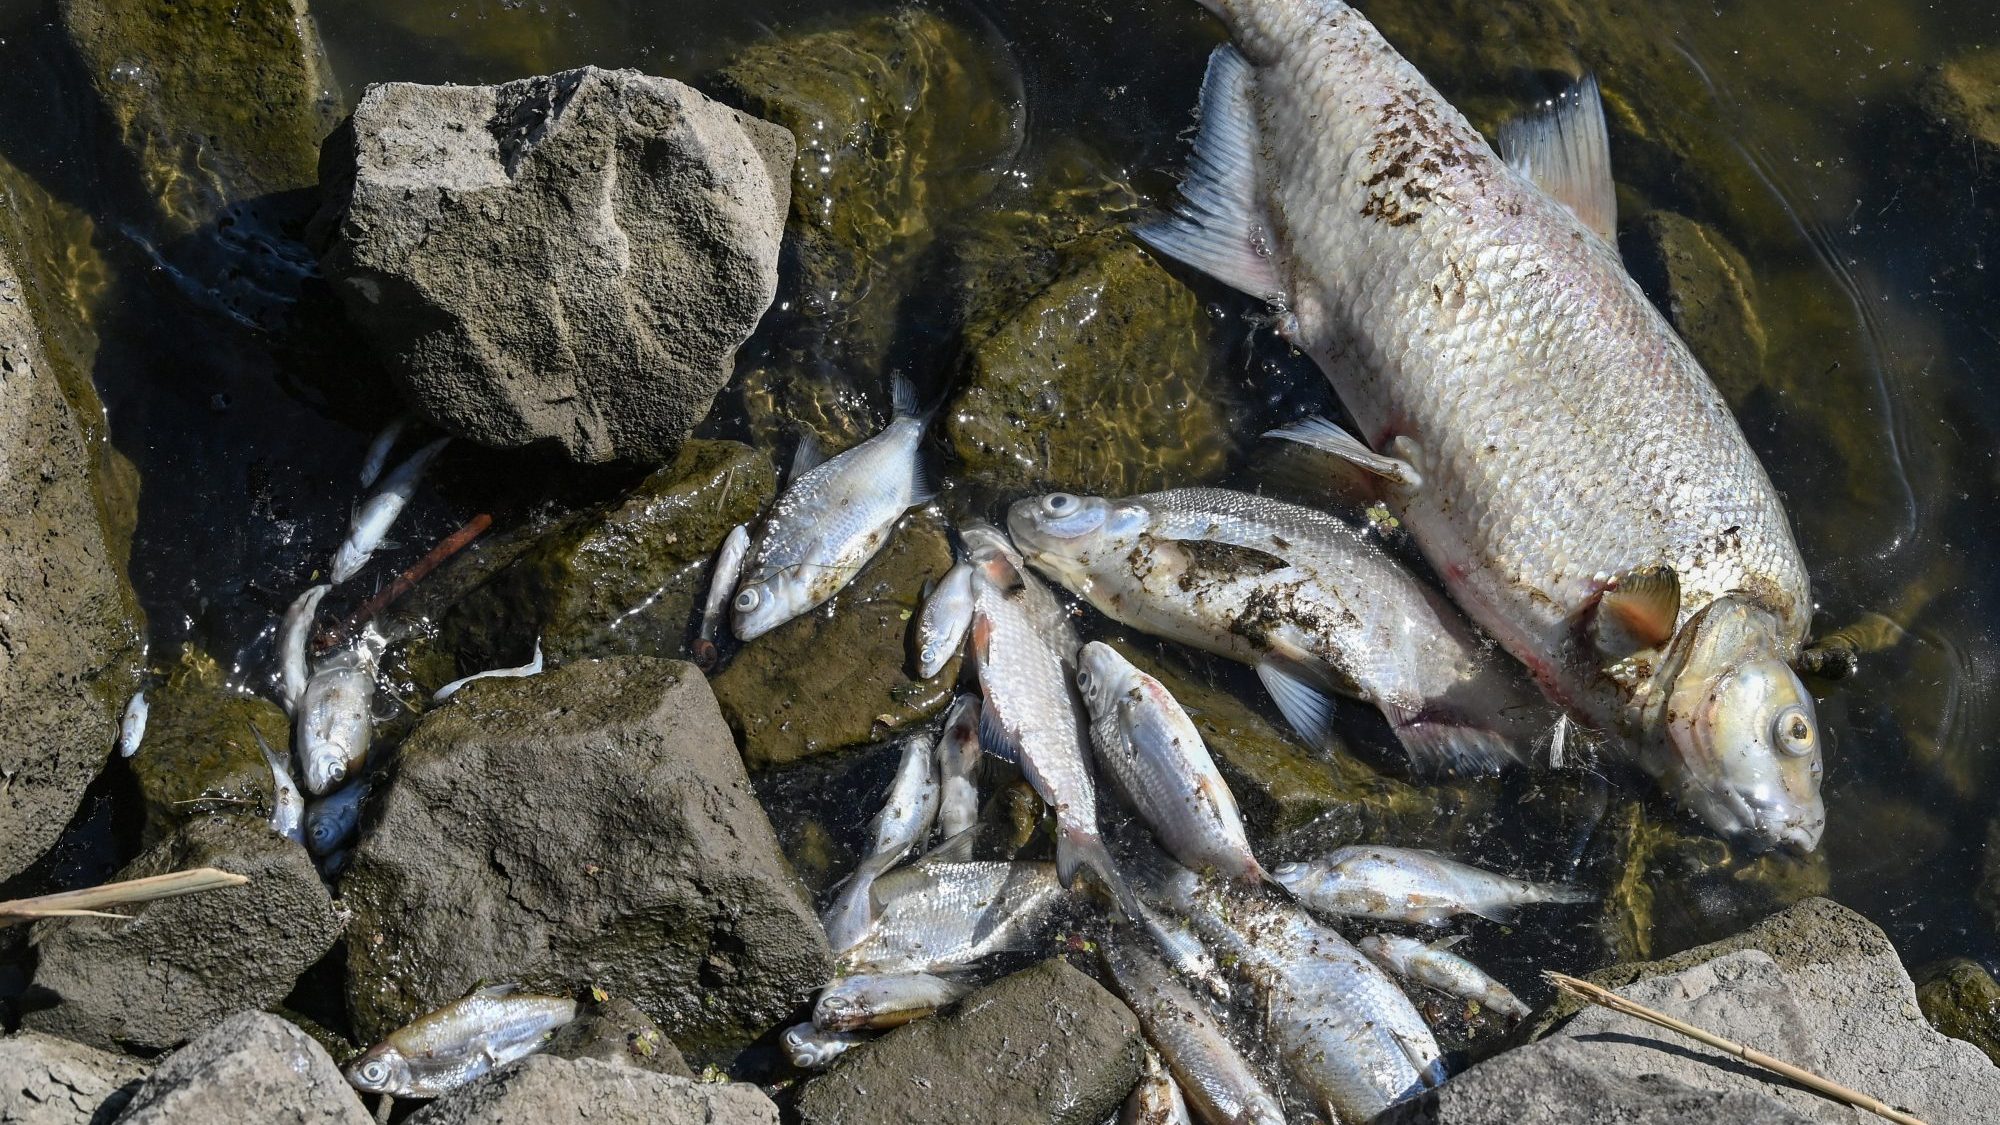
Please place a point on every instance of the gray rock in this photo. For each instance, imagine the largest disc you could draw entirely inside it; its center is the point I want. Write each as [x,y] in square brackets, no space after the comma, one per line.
[179,966]
[552,1091]
[592,826]
[251,1067]
[49,1081]
[1047,1044]
[616,1031]
[573,258]
[68,636]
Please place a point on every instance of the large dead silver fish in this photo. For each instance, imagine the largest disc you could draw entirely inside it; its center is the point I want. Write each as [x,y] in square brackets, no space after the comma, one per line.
[447,1048]
[1412,885]
[1212,1073]
[1557,453]
[938,916]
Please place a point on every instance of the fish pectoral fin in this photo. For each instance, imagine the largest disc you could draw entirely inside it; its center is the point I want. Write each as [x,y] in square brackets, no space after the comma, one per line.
[1323,435]
[956,848]
[806,457]
[495,991]
[1219,227]
[994,739]
[1636,611]
[1440,743]
[1308,709]
[1564,147]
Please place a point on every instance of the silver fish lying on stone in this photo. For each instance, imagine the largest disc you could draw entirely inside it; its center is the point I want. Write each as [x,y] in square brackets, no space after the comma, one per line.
[373,519]
[903,822]
[878,1001]
[132,724]
[1308,601]
[1212,1074]
[448,1048]
[939,916]
[1409,885]
[288,805]
[722,580]
[334,720]
[1575,480]
[831,519]
[1443,970]
[944,619]
[812,1048]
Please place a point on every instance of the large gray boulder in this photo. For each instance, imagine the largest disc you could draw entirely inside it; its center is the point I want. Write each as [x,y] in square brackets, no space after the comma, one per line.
[49,1081]
[251,1067]
[572,259]
[552,1091]
[1047,1044]
[592,826]
[177,967]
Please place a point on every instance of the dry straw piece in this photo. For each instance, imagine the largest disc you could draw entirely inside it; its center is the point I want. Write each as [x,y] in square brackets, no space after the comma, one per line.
[86,903]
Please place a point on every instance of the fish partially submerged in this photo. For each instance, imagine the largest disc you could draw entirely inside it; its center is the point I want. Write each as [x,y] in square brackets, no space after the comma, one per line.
[1212,1073]
[447,1048]
[937,916]
[812,1048]
[294,669]
[1440,968]
[903,821]
[722,582]
[1554,449]
[331,820]
[1409,885]
[132,724]
[1307,600]
[373,519]
[942,623]
[334,720]
[958,758]
[832,518]
[882,1000]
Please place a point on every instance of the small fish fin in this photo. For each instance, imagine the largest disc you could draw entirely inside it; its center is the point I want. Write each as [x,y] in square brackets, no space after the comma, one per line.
[1323,435]
[1079,847]
[923,485]
[806,457]
[1492,912]
[1444,744]
[495,991]
[1445,943]
[1636,611]
[903,397]
[1563,894]
[1564,147]
[1308,709]
[389,545]
[1219,227]
[956,848]
[994,739]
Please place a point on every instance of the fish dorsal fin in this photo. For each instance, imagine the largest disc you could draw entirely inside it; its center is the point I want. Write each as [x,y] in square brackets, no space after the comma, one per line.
[1637,611]
[1565,148]
[496,991]
[956,848]
[1323,435]
[1444,943]
[1219,227]
[807,457]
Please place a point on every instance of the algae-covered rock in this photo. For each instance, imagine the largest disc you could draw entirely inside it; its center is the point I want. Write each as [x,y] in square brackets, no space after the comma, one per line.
[628,578]
[1963,96]
[198,756]
[839,676]
[1961,999]
[1706,289]
[613,1030]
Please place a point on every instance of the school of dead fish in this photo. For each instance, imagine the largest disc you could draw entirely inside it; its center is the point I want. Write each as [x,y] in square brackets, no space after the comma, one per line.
[1604,522]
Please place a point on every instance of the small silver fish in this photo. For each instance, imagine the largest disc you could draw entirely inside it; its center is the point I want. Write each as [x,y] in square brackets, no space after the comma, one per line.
[334,723]
[1183,950]
[1409,885]
[379,449]
[1213,1075]
[1443,970]
[813,1049]
[939,916]
[1157,1099]
[447,1048]
[903,821]
[942,623]
[722,581]
[293,669]
[288,805]
[958,758]
[532,668]
[331,820]
[1150,746]
[132,725]
[879,1001]
[373,519]
[832,518]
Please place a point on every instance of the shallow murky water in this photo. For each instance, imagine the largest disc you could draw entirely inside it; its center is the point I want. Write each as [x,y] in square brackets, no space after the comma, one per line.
[1854,231]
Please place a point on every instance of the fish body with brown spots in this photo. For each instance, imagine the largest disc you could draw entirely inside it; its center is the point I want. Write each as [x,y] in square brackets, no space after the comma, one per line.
[1556,452]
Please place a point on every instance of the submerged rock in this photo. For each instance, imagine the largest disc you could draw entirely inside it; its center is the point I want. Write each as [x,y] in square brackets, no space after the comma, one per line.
[198,756]
[1047,1044]
[178,966]
[571,259]
[252,1066]
[616,1031]
[543,1088]
[592,825]
[49,1081]
[1962,1000]
[1963,96]
[839,676]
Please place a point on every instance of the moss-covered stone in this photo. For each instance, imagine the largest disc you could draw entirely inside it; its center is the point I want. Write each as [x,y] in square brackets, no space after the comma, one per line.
[839,676]
[1961,999]
[1706,288]
[198,756]
[625,579]
[1963,96]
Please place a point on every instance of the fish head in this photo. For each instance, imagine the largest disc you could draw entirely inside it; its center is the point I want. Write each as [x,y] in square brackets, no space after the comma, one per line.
[324,831]
[767,603]
[382,1069]
[808,1052]
[1101,674]
[839,1011]
[325,765]
[1065,534]
[1741,745]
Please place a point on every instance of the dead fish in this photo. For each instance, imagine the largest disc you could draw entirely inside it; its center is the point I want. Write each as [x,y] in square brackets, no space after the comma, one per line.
[1175,941]
[334,723]
[331,820]
[1150,746]
[448,1048]
[293,635]
[132,725]
[373,519]
[1409,885]
[1212,1074]
[811,1048]
[532,668]
[940,916]
[1438,967]
[379,449]
[942,623]
[288,805]
[1604,520]
[832,518]
[721,584]
[958,758]
[904,821]
[1157,1099]
[879,1001]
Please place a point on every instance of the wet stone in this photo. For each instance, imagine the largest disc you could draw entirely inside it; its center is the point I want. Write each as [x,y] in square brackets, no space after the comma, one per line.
[1962,1000]
[612,1030]
[542,1088]
[252,1066]
[840,675]
[198,756]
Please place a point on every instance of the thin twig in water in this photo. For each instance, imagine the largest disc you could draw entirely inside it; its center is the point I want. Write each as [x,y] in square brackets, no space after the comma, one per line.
[1825,1087]
[406,581]
[83,903]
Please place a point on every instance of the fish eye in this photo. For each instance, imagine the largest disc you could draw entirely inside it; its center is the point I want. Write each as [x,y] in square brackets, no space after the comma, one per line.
[337,772]
[746,600]
[375,1073]
[1058,503]
[1793,733]
[1083,681]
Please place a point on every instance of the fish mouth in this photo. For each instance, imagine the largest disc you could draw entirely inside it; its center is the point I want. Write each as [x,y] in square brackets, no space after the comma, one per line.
[1760,824]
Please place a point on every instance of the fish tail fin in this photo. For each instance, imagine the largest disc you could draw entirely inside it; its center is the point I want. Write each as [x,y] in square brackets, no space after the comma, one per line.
[1440,743]
[1563,894]
[1081,847]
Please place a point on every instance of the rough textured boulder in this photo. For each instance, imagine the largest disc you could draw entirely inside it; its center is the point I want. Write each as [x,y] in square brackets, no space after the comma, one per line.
[592,825]
[1962,999]
[252,1066]
[181,965]
[559,1091]
[572,259]
[616,1031]
[68,642]
[198,756]
[49,1081]
[1047,1044]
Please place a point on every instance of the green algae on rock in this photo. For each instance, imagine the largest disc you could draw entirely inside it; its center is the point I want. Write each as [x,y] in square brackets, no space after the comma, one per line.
[839,676]
[1961,999]
[1963,96]
[198,756]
